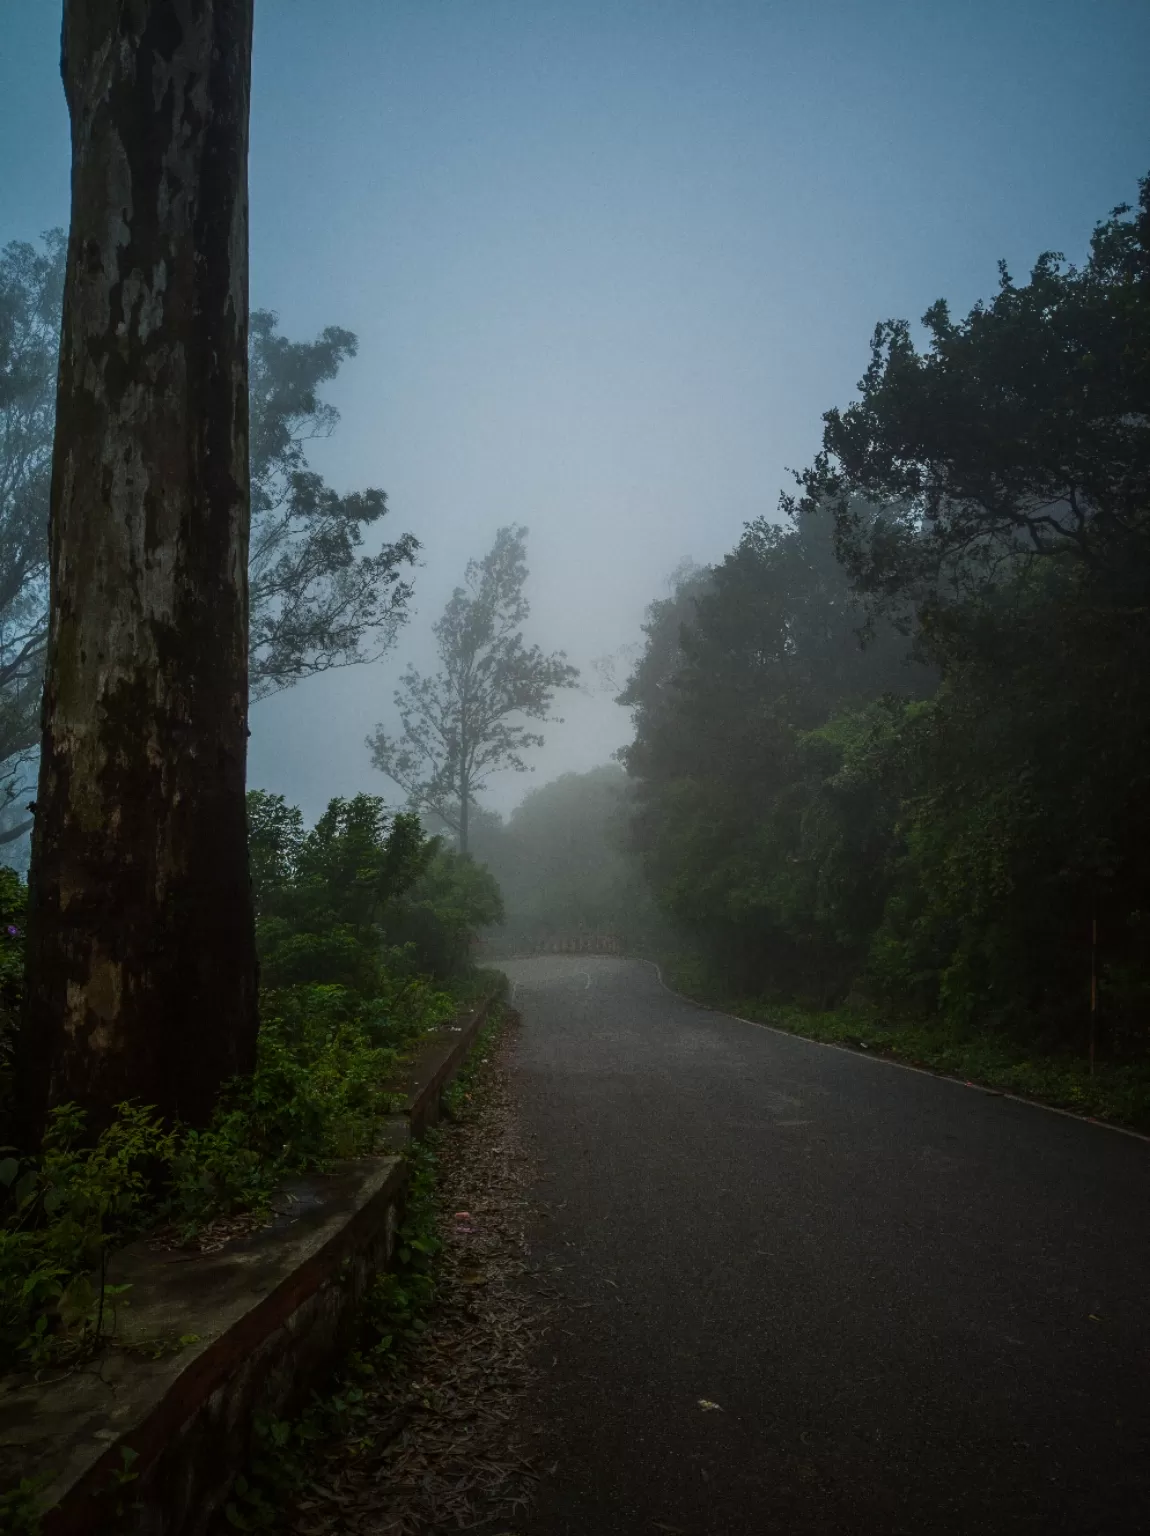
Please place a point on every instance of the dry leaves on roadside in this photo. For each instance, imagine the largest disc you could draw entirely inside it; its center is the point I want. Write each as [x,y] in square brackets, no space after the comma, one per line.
[440,1451]
[213,1237]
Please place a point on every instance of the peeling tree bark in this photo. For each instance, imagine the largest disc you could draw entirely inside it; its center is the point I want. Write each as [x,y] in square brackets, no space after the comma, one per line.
[141,953]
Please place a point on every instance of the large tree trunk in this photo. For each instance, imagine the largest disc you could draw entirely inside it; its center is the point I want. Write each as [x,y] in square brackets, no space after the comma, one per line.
[141,953]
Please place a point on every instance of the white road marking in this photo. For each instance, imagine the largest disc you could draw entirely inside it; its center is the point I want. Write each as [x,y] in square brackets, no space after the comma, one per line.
[885,1061]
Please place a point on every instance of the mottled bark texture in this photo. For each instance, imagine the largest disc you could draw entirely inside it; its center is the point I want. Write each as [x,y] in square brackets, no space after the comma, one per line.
[142,974]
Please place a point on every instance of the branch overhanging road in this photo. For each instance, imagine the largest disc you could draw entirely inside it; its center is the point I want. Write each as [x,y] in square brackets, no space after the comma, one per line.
[801,1291]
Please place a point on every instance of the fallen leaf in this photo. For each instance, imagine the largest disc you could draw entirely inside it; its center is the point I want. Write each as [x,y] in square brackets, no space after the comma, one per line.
[706,1404]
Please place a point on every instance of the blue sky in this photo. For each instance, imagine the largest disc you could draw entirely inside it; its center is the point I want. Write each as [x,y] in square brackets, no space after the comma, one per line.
[609,262]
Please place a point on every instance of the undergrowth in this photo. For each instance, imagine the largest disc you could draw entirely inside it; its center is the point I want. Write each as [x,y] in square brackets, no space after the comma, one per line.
[353,920]
[393,1318]
[457,1096]
[393,1315]
[317,1095]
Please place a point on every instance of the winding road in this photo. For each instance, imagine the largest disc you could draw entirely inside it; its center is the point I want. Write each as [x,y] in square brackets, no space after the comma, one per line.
[916,1307]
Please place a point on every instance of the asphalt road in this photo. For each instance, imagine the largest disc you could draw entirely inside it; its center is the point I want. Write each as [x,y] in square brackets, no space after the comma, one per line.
[920,1308]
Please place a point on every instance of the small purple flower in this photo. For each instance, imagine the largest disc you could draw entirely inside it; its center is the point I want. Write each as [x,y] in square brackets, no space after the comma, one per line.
[15,932]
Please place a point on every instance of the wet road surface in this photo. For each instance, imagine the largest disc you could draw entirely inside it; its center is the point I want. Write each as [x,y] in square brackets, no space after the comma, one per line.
[919,1308]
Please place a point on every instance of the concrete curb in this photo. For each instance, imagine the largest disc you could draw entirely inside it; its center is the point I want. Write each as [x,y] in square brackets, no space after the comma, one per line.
[271,1314]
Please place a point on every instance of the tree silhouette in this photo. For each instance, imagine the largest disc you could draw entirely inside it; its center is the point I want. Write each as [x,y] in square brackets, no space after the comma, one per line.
[465,722]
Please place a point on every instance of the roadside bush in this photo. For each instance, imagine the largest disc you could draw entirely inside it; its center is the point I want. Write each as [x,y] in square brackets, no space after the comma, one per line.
[362,897]
[317,1094]
[438,920]
[63,1214]
[360,922]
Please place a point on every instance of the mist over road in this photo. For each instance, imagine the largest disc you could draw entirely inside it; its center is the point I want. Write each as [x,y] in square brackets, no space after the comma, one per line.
[919,1307]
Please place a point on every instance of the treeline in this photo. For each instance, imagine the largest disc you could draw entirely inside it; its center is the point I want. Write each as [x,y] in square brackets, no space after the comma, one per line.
[898,748]
[565,866]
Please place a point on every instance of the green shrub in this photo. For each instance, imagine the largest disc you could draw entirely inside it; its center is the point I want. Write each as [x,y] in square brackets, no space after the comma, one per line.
[350,918]
[440,914]
[317,1094]
[63,1212]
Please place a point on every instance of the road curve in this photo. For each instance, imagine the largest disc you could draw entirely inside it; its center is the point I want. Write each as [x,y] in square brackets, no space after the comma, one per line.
[919,1308]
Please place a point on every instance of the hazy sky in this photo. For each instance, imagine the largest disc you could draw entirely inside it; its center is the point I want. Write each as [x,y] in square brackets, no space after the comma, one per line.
[609,260]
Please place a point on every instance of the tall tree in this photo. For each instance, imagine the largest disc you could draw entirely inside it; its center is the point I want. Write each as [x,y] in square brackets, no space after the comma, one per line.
[466,722]
[316,600]
[743,666]
[141,952]
[31,282]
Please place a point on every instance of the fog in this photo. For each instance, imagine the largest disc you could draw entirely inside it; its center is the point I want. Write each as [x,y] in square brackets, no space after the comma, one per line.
[609,263]
[756,636]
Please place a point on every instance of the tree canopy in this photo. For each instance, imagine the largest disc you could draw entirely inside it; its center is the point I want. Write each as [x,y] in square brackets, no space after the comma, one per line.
[317,599]
[1021,430]
[897,747]
[467,721]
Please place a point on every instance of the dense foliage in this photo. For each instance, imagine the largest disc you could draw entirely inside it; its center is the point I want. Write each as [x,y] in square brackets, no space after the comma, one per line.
[365,929]
[898,747]
[741,730]
[565,866]
[361,899]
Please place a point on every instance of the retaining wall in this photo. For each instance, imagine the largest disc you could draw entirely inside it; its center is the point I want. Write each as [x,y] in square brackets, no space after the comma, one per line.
[272,1314]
